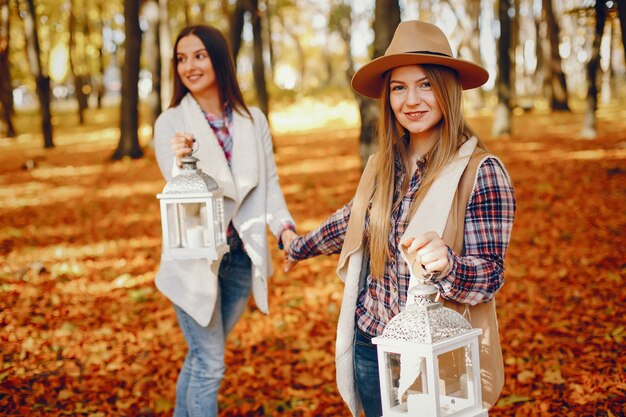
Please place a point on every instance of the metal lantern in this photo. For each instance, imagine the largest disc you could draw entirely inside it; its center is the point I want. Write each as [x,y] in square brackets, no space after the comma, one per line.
[192,215]
[428,361]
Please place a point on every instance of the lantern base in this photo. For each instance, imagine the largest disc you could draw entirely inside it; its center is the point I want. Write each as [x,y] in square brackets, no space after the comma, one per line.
[401,411]
[197,253]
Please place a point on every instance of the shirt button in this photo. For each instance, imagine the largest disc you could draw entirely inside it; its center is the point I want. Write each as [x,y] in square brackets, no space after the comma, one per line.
[394,290]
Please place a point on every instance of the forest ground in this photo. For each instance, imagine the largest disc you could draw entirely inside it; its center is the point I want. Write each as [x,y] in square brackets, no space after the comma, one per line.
[85,332]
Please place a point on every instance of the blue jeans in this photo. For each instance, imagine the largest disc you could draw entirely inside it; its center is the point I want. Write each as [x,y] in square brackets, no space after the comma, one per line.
[366,373]
[200,377]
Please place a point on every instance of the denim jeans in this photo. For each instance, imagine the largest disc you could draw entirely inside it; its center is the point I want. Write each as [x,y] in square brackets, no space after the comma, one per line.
[366,373]
[202,371]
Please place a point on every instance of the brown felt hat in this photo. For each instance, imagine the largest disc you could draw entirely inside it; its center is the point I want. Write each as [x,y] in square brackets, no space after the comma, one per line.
[416,43]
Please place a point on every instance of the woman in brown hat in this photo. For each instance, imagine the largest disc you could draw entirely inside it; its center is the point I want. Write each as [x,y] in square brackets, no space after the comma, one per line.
[432,197]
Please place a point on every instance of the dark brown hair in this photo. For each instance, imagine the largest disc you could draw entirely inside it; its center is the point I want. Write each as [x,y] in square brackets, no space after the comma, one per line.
[223,65]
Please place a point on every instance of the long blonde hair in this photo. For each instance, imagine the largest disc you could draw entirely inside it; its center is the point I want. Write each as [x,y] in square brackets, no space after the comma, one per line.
[453,132]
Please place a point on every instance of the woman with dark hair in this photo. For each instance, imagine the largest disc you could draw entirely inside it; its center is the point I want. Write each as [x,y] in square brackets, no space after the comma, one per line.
[431,202]
[234,147]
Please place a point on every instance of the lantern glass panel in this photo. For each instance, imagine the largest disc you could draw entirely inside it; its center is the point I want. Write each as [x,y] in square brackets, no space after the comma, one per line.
[188,225]
[173,226]
[193,232]
[455,380]
[418,387]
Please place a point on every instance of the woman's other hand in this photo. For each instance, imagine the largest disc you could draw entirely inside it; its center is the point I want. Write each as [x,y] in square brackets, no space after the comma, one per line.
[290,263]
[287,237]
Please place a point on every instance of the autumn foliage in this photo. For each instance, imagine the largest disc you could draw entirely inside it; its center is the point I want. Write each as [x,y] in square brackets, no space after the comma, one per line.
[85,332]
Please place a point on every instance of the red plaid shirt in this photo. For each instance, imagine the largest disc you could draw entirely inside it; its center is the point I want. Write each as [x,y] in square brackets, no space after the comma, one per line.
[473,278]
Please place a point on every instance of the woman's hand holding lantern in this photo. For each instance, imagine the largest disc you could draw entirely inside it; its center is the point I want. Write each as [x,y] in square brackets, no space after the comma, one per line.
[429,251]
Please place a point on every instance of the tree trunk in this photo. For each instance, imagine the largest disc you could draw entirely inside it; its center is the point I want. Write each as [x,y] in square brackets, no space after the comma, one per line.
[152,51]
[542,76]
[236,27]
[6,89]
[259,64]
[99,82]
[225,9]
[341,21]
[157,75]
[77,62]
[502,118]
[386,19]
[621,13]
[42,80]
[558,83]
[589,123]
[165,53]
[187,11]
[270,42]
[129,139]
[470,44]
[515,35]
[425,10]
[473,48]
[299,50]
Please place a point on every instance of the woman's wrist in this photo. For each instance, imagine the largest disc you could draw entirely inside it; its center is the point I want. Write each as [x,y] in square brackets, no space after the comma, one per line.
[284,240]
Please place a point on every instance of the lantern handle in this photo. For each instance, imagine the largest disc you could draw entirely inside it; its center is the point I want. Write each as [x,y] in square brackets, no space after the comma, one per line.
[195,146]
[419,288]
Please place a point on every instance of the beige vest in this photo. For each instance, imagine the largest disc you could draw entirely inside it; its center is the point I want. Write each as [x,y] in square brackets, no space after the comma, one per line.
[481,316]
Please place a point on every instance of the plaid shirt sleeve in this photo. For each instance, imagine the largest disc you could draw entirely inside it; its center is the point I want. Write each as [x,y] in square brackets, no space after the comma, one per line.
[475,277]
[327,239]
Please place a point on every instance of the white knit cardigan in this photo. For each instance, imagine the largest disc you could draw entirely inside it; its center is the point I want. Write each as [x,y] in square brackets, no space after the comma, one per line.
[253,200]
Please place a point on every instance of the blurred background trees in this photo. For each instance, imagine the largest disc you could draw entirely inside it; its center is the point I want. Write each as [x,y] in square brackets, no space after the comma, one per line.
[59,56]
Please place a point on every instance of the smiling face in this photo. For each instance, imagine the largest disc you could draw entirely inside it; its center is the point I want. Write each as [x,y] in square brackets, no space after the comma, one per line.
[194,67]
[413,102]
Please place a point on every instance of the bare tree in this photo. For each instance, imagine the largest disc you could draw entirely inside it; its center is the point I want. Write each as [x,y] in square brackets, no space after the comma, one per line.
[6,96]
[503,116]
[259,63]
[224,8]
[513,48]
[187,11]
[542,48]
[152,49]
[386,19]
[558,85]
[77,61]
[621,12]
[469,47]
[589,123]
[267,24]
[236,27]
[42,78]
[237,20]
[129,139]
[97,31]
[165,49]
[288,30]
[340,21]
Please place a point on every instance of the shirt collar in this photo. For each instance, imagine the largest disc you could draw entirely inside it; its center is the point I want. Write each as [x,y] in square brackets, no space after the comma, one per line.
[219,122]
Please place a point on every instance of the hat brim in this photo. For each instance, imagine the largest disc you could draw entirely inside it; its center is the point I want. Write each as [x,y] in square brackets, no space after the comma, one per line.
[368,80]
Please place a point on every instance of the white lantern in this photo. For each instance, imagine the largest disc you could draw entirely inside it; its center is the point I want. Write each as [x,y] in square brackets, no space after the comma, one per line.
[192,215]
[428,361]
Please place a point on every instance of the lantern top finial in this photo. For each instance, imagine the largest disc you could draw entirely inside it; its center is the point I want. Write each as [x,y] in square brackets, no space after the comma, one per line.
[427,321]
[191,179]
